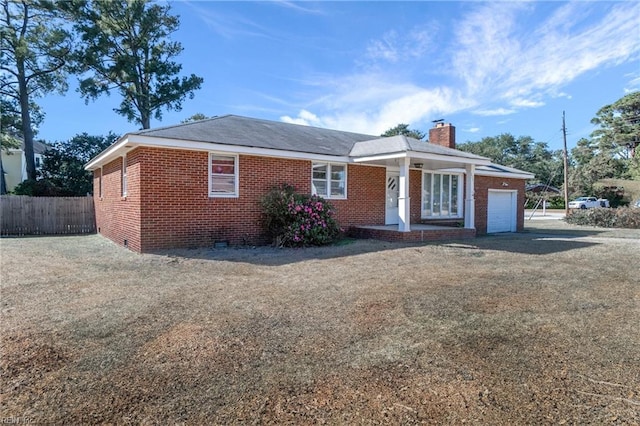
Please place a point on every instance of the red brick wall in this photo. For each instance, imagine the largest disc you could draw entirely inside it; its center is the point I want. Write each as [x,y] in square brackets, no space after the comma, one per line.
[415,195]
[483,184]
[366,196]
[168,204]
[443,134]
[178,212]
[365,203]
[117,217]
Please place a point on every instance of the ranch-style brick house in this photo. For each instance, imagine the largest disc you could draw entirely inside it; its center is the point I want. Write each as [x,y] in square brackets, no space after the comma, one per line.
[193,184]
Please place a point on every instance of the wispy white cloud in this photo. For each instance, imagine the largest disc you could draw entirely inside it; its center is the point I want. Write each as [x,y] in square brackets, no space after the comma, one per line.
[298,6]
[373,103]
[304,117]
[493,112]
[395,47]
[526,103]
[497,59]
[229,25]
[633,85]
[560,94]
[496,54]
[485,46]
[384,48]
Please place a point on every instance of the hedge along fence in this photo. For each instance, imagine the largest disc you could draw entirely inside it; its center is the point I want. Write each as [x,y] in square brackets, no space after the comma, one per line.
[23,215]
[622,217]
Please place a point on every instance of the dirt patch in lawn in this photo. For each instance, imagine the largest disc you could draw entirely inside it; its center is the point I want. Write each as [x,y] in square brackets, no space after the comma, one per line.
[534,328]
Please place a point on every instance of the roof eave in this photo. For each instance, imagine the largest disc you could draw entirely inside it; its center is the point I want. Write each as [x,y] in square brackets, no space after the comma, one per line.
[506,174]
[423,156]
[130,141]
[109,154]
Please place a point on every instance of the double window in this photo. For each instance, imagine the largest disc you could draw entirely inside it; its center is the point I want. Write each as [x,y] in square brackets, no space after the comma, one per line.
[223,175]
[441,195]
[329,180]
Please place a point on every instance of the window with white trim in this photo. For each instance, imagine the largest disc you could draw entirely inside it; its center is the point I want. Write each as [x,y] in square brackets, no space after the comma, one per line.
[441,195]
[329,180]
[124,176]
[223,175]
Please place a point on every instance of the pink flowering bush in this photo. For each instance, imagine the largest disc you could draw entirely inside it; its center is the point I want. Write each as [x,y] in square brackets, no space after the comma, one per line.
[297,220]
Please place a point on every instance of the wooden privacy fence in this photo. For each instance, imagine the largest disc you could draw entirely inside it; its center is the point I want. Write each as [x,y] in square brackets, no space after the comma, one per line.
[23,215]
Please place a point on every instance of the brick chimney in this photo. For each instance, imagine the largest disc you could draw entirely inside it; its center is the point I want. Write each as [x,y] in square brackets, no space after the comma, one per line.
[443,134]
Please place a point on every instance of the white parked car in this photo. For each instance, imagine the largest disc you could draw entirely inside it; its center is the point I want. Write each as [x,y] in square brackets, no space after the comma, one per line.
[588,203]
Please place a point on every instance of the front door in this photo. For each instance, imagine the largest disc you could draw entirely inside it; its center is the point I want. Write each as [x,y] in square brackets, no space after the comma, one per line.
[393,192]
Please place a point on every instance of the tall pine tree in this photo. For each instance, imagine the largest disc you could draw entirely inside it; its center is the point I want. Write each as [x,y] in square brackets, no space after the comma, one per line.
[126,46]
[35,48]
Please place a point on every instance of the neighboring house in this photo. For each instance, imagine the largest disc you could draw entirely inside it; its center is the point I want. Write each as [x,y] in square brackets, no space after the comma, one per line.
[14,163]
[192,184]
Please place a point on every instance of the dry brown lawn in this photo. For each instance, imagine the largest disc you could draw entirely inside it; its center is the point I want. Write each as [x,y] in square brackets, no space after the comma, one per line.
[536,328]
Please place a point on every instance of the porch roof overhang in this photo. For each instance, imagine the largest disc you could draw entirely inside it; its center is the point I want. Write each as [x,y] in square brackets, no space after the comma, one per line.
[392,151]
[421,160]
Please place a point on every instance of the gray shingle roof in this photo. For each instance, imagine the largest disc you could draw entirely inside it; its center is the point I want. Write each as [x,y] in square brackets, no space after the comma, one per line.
[257,133]
[432,148]
[401,144]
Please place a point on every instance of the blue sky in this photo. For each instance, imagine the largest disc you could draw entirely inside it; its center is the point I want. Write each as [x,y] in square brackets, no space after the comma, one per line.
[488,68]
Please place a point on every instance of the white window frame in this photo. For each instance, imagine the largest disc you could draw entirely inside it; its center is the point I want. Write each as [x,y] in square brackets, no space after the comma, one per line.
[460,201]
[236,175]
[123,175]
[328,195]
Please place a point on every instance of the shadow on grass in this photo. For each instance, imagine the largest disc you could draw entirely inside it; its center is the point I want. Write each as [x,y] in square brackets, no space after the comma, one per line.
[525,243]
[529,243]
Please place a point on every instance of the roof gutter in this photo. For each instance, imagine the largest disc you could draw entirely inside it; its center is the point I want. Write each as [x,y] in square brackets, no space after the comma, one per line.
[130,141]
[108,154]
[424,156]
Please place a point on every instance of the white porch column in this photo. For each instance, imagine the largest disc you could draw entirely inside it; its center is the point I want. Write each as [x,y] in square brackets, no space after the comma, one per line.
[469,199]
[404,205]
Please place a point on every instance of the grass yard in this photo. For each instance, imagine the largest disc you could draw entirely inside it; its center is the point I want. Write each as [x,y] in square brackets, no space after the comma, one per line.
[534,328]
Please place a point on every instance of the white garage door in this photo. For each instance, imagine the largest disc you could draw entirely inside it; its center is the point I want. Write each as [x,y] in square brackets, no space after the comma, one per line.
[501,211]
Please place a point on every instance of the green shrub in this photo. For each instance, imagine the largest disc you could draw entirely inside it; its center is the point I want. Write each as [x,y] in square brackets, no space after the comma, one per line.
[553,201]
[614,194]
[556,202]
[622,217]
[38,188]
[296,220]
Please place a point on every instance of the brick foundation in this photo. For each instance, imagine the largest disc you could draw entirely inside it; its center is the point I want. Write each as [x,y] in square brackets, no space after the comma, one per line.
[420,235]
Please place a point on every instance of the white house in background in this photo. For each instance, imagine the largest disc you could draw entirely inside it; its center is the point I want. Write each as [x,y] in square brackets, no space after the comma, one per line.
[14,163]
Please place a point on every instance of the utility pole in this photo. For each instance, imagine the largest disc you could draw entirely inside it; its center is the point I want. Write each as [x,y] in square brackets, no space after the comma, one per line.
[566,168]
